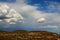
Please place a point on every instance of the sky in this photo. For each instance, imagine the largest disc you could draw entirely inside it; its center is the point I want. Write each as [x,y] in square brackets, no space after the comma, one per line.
[30,15]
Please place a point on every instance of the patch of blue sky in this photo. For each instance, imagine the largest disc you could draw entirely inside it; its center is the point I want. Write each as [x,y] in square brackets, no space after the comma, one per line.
[7,0]
[43,5]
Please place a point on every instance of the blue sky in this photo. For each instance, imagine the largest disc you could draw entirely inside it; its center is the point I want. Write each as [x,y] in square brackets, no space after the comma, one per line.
[43,4]
[35,15]
[7,0]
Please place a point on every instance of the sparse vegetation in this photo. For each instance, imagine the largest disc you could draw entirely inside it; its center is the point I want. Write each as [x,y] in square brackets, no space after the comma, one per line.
[33,35]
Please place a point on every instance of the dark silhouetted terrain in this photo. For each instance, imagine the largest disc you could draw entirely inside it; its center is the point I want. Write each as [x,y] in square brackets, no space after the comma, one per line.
[32,35]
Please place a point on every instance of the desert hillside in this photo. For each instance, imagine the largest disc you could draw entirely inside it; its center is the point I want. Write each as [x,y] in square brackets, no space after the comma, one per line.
[32,35]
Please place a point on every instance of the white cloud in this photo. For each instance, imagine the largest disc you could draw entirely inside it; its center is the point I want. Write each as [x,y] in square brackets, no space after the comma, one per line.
[32,11]
[13,15]
[50,17]
[4,8]
[41,20]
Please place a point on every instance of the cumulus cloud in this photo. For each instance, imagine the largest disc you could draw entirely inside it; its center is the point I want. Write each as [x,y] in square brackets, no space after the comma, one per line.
[15,16]
[4,8]
[12,15]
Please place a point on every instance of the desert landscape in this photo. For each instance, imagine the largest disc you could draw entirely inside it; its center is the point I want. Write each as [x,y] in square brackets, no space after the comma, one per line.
[25,35]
